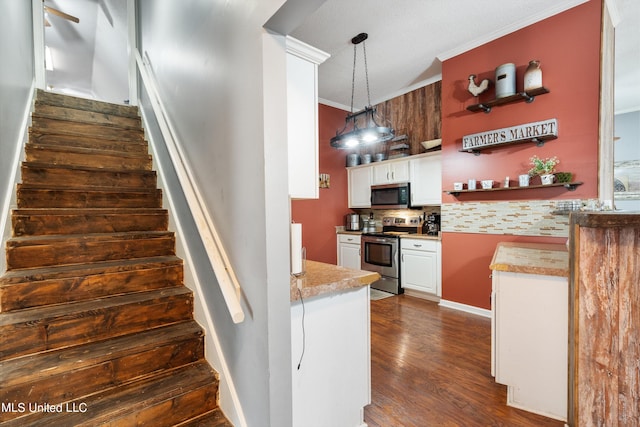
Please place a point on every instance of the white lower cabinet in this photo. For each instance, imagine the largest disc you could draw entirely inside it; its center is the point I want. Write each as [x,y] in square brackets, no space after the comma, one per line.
[420,265]
[349,251]
[530,329]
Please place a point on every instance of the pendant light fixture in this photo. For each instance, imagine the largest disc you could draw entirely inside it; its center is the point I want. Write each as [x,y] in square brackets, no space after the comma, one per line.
[361,128]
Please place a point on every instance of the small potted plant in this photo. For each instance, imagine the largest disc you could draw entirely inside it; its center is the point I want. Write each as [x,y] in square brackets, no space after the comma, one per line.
[544,168]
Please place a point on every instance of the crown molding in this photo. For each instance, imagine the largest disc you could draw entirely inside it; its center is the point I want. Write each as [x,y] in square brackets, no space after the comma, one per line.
[518,25]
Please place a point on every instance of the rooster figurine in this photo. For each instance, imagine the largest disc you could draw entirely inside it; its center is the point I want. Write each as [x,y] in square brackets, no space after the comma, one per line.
[474,88]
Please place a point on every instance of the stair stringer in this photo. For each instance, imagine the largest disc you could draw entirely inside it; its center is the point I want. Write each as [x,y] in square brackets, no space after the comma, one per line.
[10,201]
[182,223]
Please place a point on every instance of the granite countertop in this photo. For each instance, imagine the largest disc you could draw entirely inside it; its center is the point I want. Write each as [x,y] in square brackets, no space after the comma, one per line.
[321,278]
[531,258]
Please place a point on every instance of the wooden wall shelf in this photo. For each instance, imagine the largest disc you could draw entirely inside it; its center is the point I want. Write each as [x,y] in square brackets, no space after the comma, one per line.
[527,97]
[571,186]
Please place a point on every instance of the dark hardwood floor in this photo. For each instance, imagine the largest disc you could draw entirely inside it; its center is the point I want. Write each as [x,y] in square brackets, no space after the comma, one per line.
[431,366]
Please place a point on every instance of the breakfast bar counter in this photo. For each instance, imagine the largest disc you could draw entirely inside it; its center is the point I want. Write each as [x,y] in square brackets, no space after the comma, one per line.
[531,258]
[330,345]
[321,278]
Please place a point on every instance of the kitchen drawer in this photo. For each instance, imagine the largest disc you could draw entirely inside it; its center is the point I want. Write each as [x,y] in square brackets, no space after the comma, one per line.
[354,239]
[419,244]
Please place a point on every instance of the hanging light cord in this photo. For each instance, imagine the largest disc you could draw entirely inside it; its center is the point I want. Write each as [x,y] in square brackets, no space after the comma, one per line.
[366,71]
[353,76]
[356,41]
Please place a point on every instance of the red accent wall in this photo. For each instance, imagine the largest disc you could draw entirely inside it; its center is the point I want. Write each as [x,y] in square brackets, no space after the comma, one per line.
[568,46]
[320,217]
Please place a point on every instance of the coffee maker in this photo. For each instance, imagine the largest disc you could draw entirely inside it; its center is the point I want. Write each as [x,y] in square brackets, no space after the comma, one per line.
[433,224]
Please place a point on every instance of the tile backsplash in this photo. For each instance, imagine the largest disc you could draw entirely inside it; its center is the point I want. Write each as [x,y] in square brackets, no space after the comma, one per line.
[523,218]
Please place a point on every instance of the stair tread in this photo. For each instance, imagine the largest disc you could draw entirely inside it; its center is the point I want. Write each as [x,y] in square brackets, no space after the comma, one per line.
[37,136]
[41,314]
[138,396]
[51,98]
[96,189]
[87,211]
[53,362]
[44,240]
[77,115]
[81,270]
[88,151]
[36,165]
[213,418]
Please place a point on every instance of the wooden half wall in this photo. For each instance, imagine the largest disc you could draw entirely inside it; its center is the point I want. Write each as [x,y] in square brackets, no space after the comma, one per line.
[604,320]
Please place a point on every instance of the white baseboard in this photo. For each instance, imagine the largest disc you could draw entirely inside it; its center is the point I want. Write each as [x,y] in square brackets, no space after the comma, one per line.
[466,308]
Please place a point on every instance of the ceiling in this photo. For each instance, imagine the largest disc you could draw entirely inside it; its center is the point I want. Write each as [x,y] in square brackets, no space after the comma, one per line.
[408,40]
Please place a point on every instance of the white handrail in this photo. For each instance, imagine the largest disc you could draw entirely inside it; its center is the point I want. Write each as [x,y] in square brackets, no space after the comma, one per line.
[220,263]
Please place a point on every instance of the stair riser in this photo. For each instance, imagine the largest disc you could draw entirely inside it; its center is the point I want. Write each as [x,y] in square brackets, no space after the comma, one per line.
[85,142]
[58,291]
[62,127]
[82,179]
[51,98]
[103,376]
[37,225]
[83,116]
[75,328]
[89,159]
[75,252]
[40,198]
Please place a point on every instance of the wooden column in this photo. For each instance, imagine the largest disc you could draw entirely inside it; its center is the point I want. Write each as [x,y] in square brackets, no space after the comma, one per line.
[604,320]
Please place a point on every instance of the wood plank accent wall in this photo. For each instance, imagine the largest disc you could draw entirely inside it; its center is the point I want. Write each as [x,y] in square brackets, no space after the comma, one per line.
[417,114]
[604,320]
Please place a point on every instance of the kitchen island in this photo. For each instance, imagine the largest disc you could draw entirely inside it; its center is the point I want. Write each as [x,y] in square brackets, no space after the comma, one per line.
[330,345]
[530,325]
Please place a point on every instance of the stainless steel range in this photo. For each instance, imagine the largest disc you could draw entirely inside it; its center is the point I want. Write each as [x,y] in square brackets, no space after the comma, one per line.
[381,251]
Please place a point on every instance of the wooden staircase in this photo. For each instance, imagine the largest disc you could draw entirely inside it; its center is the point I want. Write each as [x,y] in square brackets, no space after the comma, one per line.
[96,326]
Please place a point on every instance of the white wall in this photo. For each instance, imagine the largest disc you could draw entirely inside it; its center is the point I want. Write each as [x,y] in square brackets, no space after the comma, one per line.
[626,149]
[208,59]
[16,86]
[110,62]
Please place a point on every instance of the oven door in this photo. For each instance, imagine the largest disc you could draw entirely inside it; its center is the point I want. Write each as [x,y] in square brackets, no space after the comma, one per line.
[380,254]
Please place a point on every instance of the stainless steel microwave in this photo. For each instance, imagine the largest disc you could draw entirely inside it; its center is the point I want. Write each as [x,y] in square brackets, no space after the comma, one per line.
[390,196]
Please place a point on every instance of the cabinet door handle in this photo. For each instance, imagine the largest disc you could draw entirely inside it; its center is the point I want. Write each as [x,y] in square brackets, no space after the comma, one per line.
[387,176]
[393,175]
[402,257]
[415,245]
[350,239]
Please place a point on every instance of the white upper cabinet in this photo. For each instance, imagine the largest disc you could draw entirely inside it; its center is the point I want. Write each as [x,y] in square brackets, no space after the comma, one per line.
[390,172]
[359,187]
[302,118]
[426,179]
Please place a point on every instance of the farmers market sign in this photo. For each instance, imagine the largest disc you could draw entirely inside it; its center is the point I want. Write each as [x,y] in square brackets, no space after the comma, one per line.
[536,131]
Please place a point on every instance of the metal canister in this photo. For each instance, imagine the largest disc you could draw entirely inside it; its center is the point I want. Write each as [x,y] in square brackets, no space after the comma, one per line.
[353,160]
[505,80]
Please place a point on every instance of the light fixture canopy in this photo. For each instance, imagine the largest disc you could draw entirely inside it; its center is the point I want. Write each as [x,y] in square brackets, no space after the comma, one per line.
[362,127]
